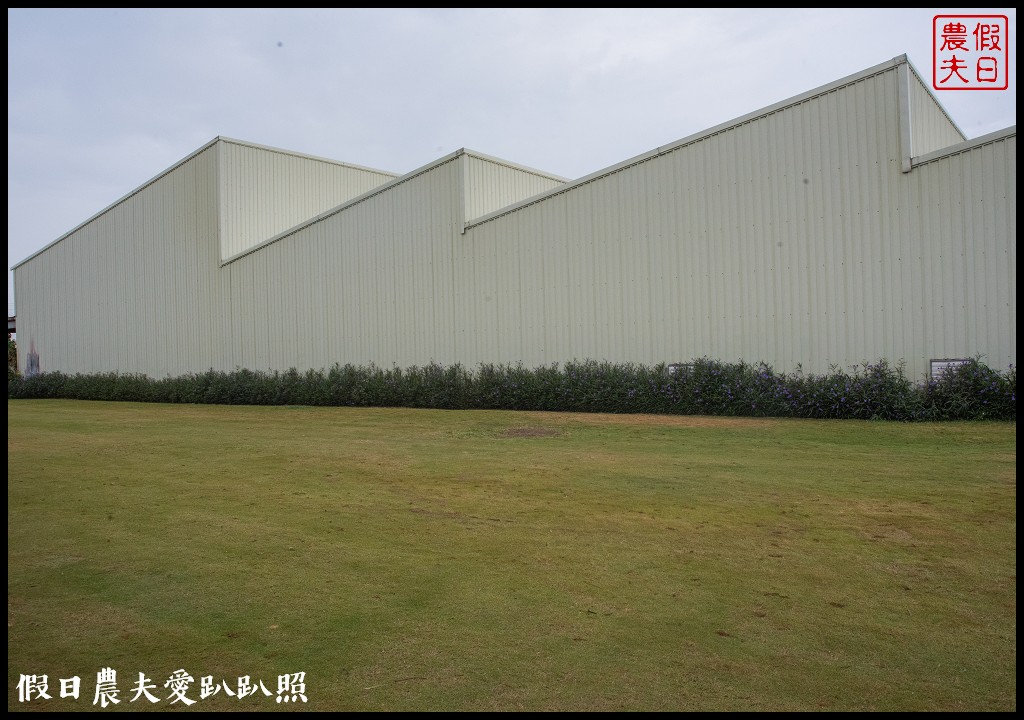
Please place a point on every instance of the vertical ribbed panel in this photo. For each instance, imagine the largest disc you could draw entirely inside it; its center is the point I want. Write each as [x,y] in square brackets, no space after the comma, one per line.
[135,289]
[930,127]
[267,191]
[491,184]
[792,238]
[963,230]
[371,283]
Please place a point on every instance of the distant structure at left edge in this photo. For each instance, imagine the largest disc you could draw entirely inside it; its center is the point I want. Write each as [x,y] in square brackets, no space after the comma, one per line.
[851,223]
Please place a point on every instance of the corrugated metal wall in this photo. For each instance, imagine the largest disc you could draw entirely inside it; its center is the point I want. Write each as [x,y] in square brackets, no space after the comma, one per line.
[738,246]
[136,289]
[268,191]
[491,184]
[785,239]
[960,293]
[930,126]
[790,237]
[369,284]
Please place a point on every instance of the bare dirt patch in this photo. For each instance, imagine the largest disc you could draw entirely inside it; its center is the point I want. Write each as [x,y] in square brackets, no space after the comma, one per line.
[530,432]
[689,421]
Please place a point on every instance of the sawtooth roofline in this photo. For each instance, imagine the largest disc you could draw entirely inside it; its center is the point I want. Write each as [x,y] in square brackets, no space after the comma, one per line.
[724,127]
[569,184]
[175,166]
[384,188]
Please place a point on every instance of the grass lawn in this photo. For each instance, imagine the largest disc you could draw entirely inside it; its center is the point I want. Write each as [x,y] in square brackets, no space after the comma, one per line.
[443,560]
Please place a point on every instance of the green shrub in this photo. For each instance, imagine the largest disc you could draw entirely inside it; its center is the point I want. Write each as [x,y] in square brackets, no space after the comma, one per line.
[871,391]
[974,391]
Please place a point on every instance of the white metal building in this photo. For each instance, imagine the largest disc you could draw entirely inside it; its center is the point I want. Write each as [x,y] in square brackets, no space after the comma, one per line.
[851,223]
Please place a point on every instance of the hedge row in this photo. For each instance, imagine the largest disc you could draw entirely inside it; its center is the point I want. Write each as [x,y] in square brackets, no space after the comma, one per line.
[880,390]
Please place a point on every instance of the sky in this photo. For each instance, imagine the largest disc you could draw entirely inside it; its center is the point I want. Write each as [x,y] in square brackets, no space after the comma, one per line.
[99,101]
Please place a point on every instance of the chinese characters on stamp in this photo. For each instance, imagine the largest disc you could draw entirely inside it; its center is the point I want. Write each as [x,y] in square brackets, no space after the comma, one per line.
[970,52]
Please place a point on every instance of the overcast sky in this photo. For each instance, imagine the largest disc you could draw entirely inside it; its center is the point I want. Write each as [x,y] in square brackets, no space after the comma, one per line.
[100,101]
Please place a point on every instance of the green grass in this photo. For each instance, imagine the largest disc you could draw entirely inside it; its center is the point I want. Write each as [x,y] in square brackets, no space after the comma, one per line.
[443,560]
